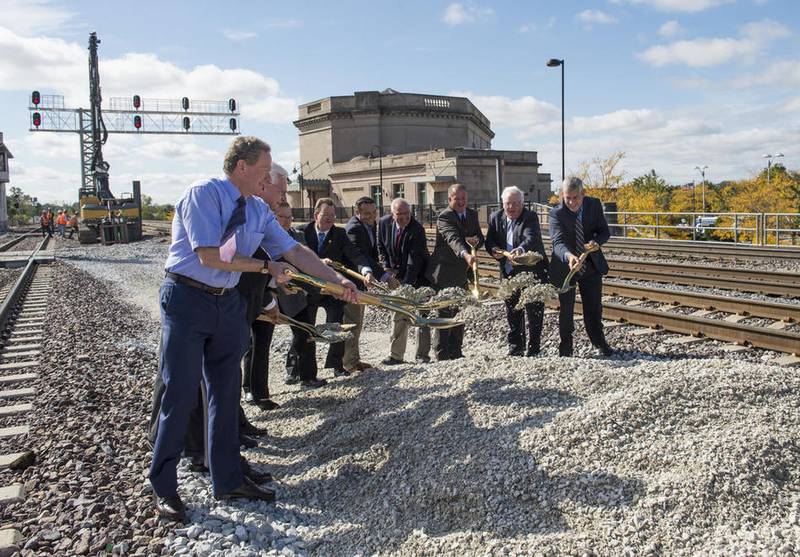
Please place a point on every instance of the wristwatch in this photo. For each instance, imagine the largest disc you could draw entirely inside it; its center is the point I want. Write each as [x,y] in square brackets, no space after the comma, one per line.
[265,268]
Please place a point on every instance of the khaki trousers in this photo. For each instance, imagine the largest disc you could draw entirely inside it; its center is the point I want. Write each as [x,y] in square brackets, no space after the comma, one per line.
[400,336]
[353,314]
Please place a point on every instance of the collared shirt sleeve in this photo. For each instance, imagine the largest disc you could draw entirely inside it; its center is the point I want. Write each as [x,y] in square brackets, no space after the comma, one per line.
[276,240]
[200,211]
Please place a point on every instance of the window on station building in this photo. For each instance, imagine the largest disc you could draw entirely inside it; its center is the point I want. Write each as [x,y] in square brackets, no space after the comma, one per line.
[422,194]
[2,162]
[398,190]
[376,194]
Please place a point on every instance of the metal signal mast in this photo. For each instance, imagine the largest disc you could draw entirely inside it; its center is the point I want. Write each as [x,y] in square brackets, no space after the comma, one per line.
[132,115]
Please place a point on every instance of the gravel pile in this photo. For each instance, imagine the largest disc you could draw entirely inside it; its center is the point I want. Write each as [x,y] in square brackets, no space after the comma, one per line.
[665,450]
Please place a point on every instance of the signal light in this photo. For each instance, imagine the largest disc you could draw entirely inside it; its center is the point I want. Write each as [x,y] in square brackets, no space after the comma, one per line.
[232,105]
[37,119]
[137,101]
[232,124]
[137,122]
[36,98]
[186,123]
[185,103]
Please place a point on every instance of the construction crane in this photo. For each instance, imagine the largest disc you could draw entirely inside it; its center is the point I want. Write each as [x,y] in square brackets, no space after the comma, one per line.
[103,216]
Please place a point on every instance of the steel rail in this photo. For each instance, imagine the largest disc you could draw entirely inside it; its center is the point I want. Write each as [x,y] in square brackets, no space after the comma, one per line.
[18,290]
[682,268]
[754,308]
[10,244]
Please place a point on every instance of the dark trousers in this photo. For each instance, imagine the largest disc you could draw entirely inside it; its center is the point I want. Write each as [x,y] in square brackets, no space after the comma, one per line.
[534,315]
[203,337]
[301,361]
[591,288]
[334,313]
[448,342]
[255,365]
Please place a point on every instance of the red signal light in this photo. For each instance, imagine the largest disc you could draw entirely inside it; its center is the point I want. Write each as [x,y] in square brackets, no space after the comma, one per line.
[36,98]
[137,122]
[37,119]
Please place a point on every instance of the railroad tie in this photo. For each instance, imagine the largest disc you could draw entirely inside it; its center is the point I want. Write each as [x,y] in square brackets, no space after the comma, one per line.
[787,360]
[735,318]
[778,325]
[644,331]
[687,339]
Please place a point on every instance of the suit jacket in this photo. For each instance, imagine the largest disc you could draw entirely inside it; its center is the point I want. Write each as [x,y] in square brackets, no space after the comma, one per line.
[562,234]
[292,304]
[446,267]
[337,247]
[410,261]
[359,236]
[527,235]
[253,287]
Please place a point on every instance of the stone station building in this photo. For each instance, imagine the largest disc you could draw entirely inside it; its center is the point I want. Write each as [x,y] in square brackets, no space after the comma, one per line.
[388,144]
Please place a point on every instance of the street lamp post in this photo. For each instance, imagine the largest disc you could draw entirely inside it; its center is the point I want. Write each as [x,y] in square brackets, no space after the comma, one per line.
[298,170]
[769,158]
[702,170]
[553,63]
[380,168]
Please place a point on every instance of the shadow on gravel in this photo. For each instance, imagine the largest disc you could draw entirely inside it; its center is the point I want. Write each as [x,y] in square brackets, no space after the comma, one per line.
[409,458]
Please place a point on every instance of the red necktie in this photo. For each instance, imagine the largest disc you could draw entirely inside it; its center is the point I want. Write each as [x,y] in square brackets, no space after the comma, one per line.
[397,240]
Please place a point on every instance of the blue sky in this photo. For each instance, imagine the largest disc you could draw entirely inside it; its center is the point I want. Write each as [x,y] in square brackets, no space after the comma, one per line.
[673,83]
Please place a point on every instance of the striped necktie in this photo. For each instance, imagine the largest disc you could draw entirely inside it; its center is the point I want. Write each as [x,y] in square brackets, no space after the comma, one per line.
[238,218]
[320,241]
[579,240]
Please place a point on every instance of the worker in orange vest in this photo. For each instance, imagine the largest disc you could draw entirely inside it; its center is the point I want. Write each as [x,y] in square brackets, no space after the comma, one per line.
[73,225]
[44,221]
[61,222]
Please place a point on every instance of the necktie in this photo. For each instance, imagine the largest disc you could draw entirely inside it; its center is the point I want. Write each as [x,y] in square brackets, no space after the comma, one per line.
[320,241]
[463,218]
[397,240]
[579,241]
[238,218]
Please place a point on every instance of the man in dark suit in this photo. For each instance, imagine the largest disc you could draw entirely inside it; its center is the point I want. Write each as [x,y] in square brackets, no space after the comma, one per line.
[516,229]
[575,224]
[362,233]
[451,262]
[332,244]
[403,251]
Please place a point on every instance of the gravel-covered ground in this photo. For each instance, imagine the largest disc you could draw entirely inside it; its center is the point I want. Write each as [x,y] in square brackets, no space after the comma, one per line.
[665,450]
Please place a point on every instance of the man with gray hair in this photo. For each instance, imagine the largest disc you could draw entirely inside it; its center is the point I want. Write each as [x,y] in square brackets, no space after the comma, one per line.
[515,229]
[576,224]
[403,252]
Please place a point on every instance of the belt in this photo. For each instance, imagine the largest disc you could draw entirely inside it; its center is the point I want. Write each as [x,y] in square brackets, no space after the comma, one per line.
[216,291]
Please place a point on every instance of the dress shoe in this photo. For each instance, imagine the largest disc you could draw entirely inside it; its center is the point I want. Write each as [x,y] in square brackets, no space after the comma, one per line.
[291,379]
[248,490]
[530,352]
[253,474]
[247,441]
[251,430]
[606,350]
[265,404]
[171,508]
[515,352]
[341,372]
[391,362]
[313,383]
[423,359]
[352,369]
[364,366]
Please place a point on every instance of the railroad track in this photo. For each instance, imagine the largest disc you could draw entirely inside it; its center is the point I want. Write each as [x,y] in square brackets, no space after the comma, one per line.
[22,316]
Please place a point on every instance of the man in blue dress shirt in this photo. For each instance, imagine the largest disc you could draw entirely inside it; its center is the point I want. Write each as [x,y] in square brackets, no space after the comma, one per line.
[204,328]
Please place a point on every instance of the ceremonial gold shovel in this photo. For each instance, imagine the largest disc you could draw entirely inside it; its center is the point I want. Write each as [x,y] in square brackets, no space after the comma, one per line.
[358,276]
[472,241]
[364,298]
[566,287]
[325,332]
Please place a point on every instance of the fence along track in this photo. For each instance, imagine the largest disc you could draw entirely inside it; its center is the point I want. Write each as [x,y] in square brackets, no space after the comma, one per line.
[22,317]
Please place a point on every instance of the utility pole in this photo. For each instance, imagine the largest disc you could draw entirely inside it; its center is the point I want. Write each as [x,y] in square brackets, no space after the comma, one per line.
[702,170]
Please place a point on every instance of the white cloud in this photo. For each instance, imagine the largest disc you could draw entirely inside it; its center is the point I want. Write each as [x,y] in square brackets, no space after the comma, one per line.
[33,17]
[595,16]
[792,105]
[237,35]
[527,28]
[705,52]
[458,13]
[514,113]
[670,29]
[620,120]
[284,23]
[56,66]
[677,5]
[784,73]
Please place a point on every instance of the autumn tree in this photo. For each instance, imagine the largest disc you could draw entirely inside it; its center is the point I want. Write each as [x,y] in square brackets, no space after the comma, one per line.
[602,176]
